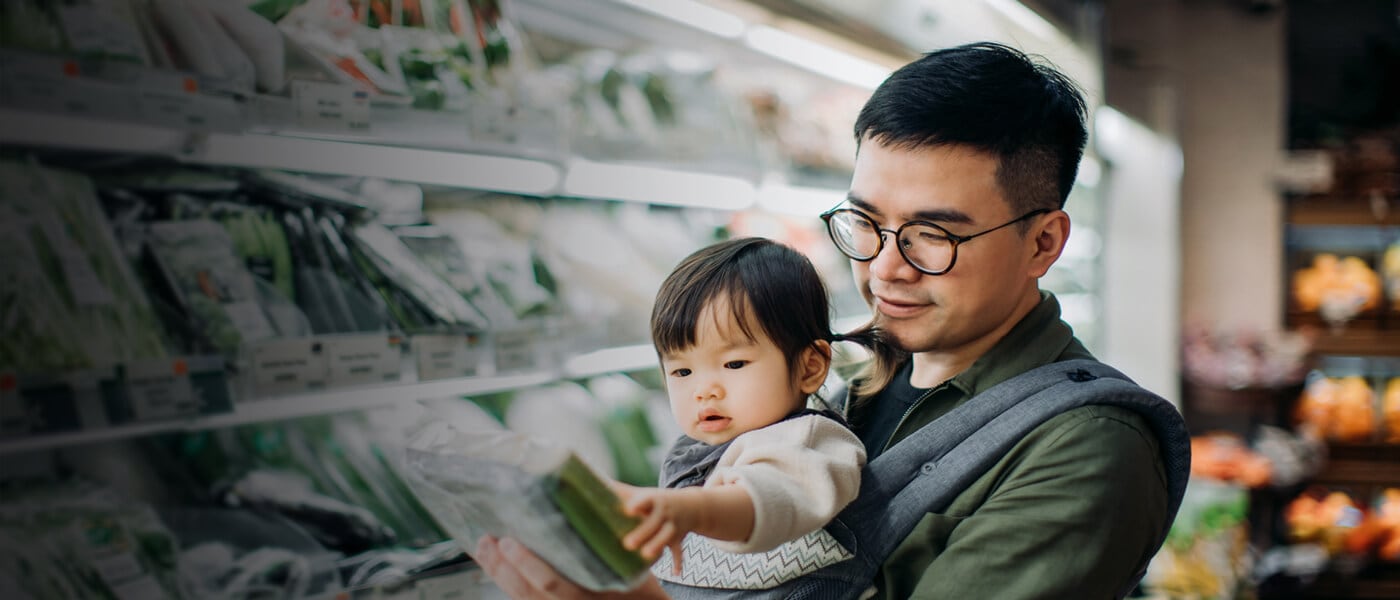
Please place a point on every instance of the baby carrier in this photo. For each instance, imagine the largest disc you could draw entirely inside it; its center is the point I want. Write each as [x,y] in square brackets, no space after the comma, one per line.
[923,473]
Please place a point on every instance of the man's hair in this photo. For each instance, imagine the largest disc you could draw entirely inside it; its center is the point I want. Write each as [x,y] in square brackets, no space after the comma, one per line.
[991,98]
[768,286]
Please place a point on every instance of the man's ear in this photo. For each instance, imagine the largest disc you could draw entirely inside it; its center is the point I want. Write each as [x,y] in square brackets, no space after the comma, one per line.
[1047,240]
[812,366]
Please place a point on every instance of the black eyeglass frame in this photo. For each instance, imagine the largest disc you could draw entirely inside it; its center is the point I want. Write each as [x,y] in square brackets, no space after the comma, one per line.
[952,237]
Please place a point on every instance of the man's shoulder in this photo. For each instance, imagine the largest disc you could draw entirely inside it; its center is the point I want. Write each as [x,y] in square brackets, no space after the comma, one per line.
[1088,436]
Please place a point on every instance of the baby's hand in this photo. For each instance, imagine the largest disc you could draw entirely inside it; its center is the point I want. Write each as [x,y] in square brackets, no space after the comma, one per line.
[665,521]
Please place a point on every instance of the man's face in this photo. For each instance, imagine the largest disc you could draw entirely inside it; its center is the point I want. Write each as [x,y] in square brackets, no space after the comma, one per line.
[953,187]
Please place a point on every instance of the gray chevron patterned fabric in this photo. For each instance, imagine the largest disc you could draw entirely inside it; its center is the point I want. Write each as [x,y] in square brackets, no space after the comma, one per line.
[709,567]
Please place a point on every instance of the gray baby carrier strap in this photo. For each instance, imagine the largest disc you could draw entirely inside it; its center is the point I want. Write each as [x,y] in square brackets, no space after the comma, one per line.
[924,472]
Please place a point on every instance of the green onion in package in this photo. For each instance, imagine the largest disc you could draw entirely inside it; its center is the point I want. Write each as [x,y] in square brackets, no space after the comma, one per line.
[491,481]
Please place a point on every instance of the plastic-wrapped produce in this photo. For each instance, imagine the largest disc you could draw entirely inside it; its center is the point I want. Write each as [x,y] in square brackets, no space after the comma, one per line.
[504,253]
[441,253]
[74,302]
[484,482]
[392,258]
[79,540]
[224,301]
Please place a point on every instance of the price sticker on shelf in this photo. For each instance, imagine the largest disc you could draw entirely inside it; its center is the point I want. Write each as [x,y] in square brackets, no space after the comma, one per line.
[174,109]
[446,356]
[160,389]
[514,351]
[331,106]
[288,366]
[364,359]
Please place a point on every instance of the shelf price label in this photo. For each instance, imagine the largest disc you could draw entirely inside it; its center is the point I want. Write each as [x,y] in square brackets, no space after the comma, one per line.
[441,356]
[288,366]
[160,389]
[331,106]
[514,350]
[364,359]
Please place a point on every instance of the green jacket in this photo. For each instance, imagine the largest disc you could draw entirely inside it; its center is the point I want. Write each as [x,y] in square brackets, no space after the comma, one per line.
[1070,512]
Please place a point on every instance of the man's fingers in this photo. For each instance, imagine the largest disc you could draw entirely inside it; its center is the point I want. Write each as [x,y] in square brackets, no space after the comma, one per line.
[546,582]
[499,570]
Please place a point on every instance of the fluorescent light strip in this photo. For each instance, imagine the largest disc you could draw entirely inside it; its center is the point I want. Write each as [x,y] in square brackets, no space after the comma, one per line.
[1025,17]
[656,185]
[795,200]
[692,13]
[815,57]
[456,169]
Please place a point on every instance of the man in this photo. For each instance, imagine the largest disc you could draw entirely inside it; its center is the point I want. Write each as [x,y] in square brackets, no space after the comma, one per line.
[965,160]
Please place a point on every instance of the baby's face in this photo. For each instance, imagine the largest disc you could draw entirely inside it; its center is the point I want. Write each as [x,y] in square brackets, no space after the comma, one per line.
[727,384]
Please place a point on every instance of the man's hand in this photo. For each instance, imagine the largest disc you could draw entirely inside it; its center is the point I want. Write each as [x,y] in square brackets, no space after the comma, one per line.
[523,576]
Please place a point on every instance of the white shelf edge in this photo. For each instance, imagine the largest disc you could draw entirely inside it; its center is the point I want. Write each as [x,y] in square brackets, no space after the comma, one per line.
[487,169]
[611,360]
[608,360]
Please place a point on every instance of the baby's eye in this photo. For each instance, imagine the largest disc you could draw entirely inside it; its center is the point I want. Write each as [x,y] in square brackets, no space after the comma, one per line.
[736,364]
[680,372]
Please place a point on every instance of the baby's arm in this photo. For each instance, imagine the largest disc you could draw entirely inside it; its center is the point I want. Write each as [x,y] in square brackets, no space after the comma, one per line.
[723,512]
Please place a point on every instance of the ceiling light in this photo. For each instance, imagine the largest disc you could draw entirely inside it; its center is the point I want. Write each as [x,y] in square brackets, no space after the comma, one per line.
[817,58]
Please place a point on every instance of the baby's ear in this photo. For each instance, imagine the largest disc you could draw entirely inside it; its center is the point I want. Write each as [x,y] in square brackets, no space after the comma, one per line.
[812,366]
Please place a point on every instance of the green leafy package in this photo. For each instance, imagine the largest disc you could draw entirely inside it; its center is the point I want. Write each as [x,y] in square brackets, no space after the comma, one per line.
[499,483]
[75,302]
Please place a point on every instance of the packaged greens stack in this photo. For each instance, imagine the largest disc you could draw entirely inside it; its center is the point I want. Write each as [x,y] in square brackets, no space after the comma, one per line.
[225,303]
[494,482]
[79,540]
[71,300]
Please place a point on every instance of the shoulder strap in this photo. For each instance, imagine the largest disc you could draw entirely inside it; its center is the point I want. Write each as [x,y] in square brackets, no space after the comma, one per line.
[926,471]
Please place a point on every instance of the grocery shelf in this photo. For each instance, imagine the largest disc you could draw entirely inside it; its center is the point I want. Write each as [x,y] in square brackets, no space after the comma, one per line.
[288,407]
[1359,342]
[275,408]
[490,171]
[611,360]
[1335,209]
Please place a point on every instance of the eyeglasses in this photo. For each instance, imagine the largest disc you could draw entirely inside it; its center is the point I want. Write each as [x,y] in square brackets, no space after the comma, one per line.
[927,247]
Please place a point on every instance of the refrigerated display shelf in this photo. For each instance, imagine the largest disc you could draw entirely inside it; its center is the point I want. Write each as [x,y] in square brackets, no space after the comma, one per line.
[611,360]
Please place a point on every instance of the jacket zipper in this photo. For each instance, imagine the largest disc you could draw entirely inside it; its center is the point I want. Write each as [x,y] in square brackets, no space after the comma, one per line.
[905,416]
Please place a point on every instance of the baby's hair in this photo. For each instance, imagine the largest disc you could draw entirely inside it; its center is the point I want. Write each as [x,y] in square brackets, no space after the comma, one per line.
[768,285]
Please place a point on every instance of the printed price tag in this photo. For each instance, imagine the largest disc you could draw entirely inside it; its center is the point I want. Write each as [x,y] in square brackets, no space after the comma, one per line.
[331,106]
[534,128]
[491,122]
[160,389]
[514,352]
[288,366]
[446,356]
[173,109]
[364,359]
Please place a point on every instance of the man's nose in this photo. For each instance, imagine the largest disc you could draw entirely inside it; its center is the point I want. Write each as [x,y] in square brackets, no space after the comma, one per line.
[889,264]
